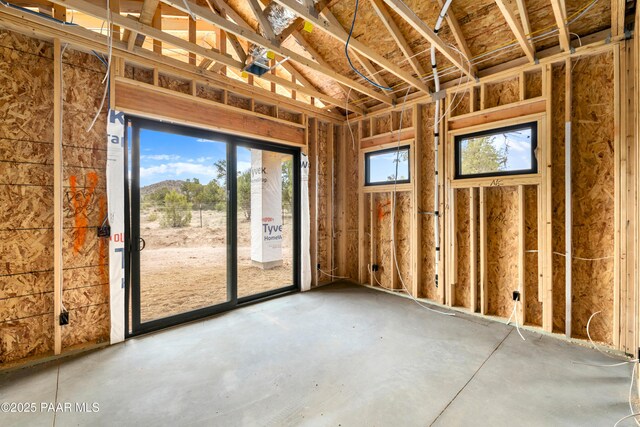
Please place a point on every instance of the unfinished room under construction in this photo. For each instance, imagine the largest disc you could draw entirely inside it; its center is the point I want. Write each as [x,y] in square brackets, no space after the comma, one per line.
[319,213]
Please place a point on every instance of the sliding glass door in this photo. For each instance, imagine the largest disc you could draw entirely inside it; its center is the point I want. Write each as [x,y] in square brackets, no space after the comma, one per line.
[213,223]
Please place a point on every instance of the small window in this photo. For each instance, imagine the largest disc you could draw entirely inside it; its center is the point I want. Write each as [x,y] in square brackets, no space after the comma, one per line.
[505,151]
[382,167]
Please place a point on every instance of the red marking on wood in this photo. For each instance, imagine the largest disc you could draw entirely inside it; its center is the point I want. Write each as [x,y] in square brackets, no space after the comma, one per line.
[80,202]
[381,209]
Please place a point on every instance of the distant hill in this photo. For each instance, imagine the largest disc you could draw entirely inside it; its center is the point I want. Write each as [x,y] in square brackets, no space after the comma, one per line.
[171,184]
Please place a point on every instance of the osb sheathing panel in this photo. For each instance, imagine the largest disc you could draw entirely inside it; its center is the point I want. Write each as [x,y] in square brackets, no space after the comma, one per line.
[239,101]
[26,80]
[533,308]
[367,237]
[598,18]
[460,103]
[24,251]
[21,151]
[24,206]
[92,325]
[593,194]
[462,285]
[382,236]
[174,83]
[485,29]
[26,284]
[84,276]
[403,211]
[501,93]
[406,118]
[210,93]
[382,124]
[138,74]
[84,201]
[427,287]
[26,306]
[26,337]
[558,189]
[502,248]
[323,187]
[352,198]
[267,110]
[532,84]
[542,20]
[82,95]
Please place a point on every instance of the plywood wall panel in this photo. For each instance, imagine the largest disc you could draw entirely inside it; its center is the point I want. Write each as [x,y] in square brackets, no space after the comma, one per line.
[210,93]
[502,248]
[593,194]
[463,235]
[323,193]
[86,296]
[501,93]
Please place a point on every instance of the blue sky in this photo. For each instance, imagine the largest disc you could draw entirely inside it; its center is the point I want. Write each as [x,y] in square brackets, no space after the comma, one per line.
[167,156]
[382,166]
[519,142]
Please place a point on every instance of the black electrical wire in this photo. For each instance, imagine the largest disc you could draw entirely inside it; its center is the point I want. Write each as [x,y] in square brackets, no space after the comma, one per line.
[346,52]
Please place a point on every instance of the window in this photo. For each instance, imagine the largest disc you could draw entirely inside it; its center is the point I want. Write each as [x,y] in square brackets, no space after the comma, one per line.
[383,166]
[505,151]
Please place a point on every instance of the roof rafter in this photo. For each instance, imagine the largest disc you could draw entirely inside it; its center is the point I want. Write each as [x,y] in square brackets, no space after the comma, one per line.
[265,25]
[560,13]
[618,10]
[394,30]
[341,35]
[516,29]
[524,17]
[454,26]
[251,36]
[156,34]
[425,31]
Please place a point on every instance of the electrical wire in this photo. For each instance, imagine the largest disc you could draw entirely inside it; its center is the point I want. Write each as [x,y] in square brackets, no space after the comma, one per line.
[332,276]
[105,80]
[346,51]
[515,317]
[60,150]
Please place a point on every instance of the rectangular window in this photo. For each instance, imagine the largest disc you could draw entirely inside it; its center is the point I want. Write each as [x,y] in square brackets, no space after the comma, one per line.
[384,166]
[504,151]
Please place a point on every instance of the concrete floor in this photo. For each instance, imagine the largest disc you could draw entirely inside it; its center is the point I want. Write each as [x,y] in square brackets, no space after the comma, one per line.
[338,356]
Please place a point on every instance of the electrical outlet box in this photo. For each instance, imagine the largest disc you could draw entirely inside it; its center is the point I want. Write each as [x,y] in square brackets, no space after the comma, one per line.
[516,295]
[318,266]
[64,318]
[374,267]
[104,231]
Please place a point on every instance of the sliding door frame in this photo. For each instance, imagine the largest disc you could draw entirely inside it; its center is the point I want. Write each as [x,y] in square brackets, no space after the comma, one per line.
[132,231]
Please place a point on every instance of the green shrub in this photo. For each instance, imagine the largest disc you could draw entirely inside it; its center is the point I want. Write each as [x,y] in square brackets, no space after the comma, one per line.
[177,210]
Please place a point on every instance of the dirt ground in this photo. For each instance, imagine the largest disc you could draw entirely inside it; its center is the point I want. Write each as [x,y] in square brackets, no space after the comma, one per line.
[182,269]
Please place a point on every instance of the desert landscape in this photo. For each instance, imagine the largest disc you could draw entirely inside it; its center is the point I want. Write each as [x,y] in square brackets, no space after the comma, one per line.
[185,268]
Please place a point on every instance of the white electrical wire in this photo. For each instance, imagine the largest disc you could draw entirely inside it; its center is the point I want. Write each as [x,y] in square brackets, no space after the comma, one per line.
[105,80]
[332,276]
[63,308]
[515,317]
